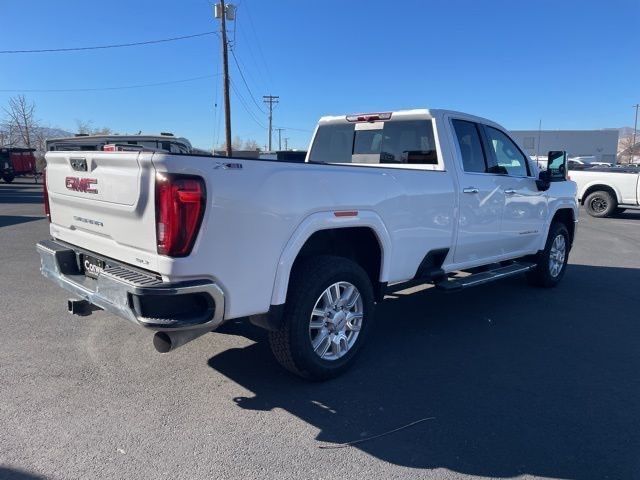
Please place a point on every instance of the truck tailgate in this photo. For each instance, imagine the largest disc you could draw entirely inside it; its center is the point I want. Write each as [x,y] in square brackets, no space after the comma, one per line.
[103,202]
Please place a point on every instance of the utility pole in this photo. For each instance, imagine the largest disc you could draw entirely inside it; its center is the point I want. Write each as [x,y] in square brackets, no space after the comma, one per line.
[270,100]
[224,13]
[539,135]
[286,143]
[635,129]
[279,130]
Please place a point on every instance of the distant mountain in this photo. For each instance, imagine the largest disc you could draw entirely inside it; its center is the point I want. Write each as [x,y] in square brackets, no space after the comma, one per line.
[626,131]
[55,133]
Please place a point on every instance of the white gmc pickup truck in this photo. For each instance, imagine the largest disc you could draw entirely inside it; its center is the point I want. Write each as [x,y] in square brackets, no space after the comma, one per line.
[181,243]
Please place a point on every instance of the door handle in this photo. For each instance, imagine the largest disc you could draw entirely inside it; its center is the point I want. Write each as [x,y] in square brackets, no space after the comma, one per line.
[510,191]
[470,190]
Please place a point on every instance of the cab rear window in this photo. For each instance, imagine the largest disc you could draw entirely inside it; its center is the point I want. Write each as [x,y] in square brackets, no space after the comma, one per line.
[396,142]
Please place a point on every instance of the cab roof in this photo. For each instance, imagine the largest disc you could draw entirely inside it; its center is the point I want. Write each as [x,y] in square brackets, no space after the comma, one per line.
[411,114]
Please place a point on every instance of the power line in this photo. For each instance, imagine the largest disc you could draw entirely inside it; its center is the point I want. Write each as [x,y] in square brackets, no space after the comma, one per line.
[295,129]
[102,47]
[248,41]
[98,89]
[215,108]
[245,106]
[245,82]
[270,79]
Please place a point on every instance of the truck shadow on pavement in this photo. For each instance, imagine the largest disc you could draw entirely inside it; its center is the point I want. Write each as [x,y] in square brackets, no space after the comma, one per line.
[21,193]
[628,215]
[8,220]
[11,474]
[520,380]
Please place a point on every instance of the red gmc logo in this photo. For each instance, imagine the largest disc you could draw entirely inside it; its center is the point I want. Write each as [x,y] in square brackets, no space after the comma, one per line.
[81,184]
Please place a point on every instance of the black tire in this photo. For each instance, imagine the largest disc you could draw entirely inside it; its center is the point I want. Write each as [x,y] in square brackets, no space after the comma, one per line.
[542,275]
[8,178]
[291,344]
[600,204]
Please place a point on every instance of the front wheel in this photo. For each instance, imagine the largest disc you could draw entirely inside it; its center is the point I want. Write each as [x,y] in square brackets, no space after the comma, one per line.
[600,204]
[552,261]
[9,177]
[327,317]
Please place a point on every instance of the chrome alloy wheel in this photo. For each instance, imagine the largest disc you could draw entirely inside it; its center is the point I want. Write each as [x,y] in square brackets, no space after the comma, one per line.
[336,321]
[557,255]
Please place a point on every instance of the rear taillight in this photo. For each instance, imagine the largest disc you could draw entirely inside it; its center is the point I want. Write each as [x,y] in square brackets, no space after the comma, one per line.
[45,194]
[180,203]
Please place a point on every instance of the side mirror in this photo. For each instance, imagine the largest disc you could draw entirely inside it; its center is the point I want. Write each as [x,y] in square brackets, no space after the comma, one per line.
[557,166]
[544,180]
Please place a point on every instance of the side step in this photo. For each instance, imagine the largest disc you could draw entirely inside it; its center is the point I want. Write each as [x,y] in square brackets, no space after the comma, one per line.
[485,277]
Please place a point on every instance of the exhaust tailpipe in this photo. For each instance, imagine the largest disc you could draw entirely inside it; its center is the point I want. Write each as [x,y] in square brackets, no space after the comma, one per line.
[165,342]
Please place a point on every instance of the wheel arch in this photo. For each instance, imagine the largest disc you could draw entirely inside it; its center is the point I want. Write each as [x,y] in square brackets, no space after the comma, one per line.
[565,216]
[596,187]
[327,233]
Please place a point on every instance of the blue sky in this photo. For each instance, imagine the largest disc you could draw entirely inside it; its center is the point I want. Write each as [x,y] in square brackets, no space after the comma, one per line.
[573,64]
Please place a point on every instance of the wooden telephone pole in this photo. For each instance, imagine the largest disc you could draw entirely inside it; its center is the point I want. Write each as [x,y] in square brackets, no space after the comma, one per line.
[223,14]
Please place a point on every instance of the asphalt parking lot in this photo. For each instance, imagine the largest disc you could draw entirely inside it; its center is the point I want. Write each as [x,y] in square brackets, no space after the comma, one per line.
[521,382]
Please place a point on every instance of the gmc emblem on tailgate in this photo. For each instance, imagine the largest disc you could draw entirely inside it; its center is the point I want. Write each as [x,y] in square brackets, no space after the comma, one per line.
[84,185]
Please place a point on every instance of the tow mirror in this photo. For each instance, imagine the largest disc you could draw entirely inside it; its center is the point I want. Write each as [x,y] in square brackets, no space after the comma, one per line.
[557,166]
[544,181]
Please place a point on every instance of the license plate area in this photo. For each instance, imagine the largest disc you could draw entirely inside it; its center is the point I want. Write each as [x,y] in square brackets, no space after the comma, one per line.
[92,266]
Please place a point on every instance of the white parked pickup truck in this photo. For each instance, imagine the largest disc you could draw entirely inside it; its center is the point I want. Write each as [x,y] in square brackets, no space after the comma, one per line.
[607,191]
[181,243]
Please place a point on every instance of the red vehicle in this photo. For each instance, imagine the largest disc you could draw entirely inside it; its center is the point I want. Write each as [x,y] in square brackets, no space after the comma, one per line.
[15,162]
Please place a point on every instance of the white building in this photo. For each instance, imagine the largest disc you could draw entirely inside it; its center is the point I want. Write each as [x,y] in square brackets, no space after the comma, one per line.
[600,144]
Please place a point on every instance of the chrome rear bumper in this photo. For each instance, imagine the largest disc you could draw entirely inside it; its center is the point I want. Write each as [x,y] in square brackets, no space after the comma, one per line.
[133,294]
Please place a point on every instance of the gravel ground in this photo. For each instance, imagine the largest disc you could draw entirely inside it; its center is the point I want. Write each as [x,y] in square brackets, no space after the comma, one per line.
[520,381]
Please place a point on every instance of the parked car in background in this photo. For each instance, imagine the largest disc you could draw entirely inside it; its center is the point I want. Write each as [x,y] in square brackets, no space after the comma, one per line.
[607,191]
[584,159]
[179,244]
[81,142]
[574,164]
[16,162]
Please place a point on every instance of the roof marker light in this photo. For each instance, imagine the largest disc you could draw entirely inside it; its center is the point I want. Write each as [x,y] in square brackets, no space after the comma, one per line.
[368,117]
[346,213]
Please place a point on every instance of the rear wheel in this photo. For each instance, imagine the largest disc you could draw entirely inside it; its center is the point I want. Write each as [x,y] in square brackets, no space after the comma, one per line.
[327,317]
[552,261]
[600,204]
